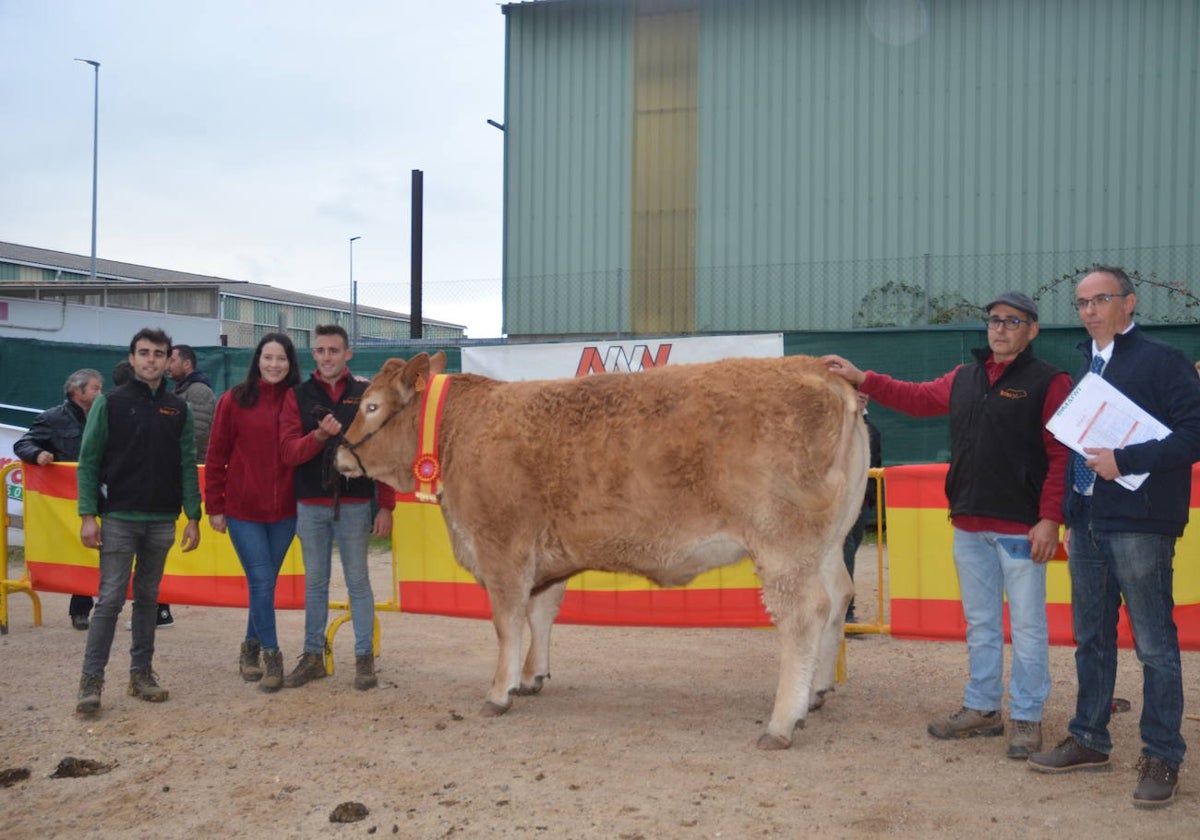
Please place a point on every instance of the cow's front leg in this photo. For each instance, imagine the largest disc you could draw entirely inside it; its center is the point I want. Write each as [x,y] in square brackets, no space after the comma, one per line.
[508,616]
[799,610]
[541,611]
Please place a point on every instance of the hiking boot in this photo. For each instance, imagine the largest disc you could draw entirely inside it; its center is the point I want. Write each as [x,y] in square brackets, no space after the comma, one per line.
[272,678]
[309,668]
[364,672]
[1024,739]
[1067,756]
[967,723]
[143,684]
[89,695]
[248,664]
[1157,783]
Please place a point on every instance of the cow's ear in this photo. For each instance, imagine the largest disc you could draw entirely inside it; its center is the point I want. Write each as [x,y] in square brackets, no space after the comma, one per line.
[437,362]
[390,368]
[417,370]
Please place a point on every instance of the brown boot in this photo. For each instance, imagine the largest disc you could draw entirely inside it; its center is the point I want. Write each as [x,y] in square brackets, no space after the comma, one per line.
[89,695]
[272,671]
[309,668]
[144,684]
[364,672]
[248,664]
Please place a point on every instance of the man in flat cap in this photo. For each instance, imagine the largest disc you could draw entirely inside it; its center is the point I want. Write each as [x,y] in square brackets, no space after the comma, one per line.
[1005,486]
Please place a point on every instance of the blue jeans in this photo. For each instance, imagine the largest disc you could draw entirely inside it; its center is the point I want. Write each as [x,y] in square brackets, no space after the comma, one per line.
[317,529]
[1104,567]
[261,547]
[986,572]
[121,542]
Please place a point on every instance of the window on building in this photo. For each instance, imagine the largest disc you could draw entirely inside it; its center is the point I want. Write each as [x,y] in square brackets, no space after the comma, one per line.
[198,302]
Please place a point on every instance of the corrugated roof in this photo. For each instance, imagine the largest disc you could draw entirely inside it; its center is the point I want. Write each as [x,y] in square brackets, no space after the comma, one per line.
[110,272]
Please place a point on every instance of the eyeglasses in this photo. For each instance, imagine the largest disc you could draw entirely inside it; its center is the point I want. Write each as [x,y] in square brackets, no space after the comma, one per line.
[996,322]
[1096,300]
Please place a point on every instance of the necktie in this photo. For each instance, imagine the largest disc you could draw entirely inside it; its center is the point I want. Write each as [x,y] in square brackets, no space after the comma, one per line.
[1083,477]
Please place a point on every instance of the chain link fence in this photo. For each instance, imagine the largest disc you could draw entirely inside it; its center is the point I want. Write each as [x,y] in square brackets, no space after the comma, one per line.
[835,295]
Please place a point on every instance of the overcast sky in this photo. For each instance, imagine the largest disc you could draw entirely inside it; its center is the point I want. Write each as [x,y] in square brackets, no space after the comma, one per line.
[250,139]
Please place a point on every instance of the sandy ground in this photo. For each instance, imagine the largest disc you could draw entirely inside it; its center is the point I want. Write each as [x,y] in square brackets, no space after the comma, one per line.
[641,733]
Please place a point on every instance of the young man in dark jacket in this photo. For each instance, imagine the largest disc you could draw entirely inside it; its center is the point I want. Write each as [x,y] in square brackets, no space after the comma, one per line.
[137,468]
[1121,543]
[55,436]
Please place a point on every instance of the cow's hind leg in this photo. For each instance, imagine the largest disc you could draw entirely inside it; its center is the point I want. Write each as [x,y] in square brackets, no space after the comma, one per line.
[799,609]
[840,590]
[508,617]
[540,612]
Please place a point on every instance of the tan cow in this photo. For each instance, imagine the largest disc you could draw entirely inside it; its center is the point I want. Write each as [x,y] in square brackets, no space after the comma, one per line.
[696,465]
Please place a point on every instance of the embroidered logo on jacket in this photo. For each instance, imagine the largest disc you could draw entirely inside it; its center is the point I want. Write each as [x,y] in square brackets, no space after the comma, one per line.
[1014,393]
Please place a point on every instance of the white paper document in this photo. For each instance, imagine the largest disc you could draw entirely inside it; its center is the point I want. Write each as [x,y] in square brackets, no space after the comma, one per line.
[1095,414]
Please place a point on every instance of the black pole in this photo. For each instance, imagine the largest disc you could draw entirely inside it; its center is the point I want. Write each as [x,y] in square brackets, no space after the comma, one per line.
[418,201]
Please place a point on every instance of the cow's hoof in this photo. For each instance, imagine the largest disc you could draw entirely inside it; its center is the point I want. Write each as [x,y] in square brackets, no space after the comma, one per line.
[819,700]
[533,687]
[491,709]
[773,742]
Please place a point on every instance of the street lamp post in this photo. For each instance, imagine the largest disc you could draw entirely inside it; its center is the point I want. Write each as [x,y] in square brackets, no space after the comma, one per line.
[353,297]
[95,150]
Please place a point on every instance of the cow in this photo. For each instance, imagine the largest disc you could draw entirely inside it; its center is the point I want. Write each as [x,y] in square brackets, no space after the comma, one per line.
[697,466]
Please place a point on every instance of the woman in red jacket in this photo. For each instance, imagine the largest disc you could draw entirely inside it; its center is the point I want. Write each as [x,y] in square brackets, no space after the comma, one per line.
[249,490]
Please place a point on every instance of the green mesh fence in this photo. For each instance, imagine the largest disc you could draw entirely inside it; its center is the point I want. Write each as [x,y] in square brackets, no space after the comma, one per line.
[32,372]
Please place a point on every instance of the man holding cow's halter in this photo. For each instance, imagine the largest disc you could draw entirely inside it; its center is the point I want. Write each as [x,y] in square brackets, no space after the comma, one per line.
[330,507]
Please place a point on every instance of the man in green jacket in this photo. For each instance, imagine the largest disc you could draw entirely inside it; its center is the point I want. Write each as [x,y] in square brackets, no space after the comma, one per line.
[137,468]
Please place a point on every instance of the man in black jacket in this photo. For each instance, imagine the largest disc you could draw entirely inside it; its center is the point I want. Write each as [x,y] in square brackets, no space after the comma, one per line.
[55,436]
[331,508]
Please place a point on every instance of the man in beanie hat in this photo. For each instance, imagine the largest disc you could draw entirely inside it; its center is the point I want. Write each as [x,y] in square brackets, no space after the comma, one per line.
[1005,487]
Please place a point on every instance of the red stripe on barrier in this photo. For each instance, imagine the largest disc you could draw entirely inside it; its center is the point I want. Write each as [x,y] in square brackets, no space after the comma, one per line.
[916,486]
[58,577]
[215,591]
[53,480]
[652,608]
[942,620]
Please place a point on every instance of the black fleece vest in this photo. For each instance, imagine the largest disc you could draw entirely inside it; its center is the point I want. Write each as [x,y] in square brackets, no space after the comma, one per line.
[997,456]
[140,470]
[317,478]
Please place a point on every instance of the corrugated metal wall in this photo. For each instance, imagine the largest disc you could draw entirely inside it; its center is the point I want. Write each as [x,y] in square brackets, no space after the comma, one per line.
[567,158]
[858,160]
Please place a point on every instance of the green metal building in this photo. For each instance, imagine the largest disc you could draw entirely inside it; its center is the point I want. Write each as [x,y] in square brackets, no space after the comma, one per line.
[693,166]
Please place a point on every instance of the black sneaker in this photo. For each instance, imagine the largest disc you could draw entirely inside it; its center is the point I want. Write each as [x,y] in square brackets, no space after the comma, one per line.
[1067,756]
[79,622]
[164,618]
[1157,783]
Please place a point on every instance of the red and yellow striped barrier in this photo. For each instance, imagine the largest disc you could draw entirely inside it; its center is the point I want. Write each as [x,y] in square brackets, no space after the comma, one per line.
[57,562]
[924,596]
[430,581]
[924,585]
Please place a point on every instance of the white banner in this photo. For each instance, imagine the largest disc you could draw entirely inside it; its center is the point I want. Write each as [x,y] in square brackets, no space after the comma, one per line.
[515,362]
[12,485]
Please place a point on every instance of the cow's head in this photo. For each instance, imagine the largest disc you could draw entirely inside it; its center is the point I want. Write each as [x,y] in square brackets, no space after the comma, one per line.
[382,440]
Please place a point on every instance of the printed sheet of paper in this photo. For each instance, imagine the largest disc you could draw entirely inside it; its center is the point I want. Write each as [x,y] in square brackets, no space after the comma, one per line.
[1095,414]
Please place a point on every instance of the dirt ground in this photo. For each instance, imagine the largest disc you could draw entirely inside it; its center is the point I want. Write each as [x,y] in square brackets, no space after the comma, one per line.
[641,733]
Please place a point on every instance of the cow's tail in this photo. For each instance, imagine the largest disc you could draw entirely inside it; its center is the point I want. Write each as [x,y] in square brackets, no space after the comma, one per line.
[854,454]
